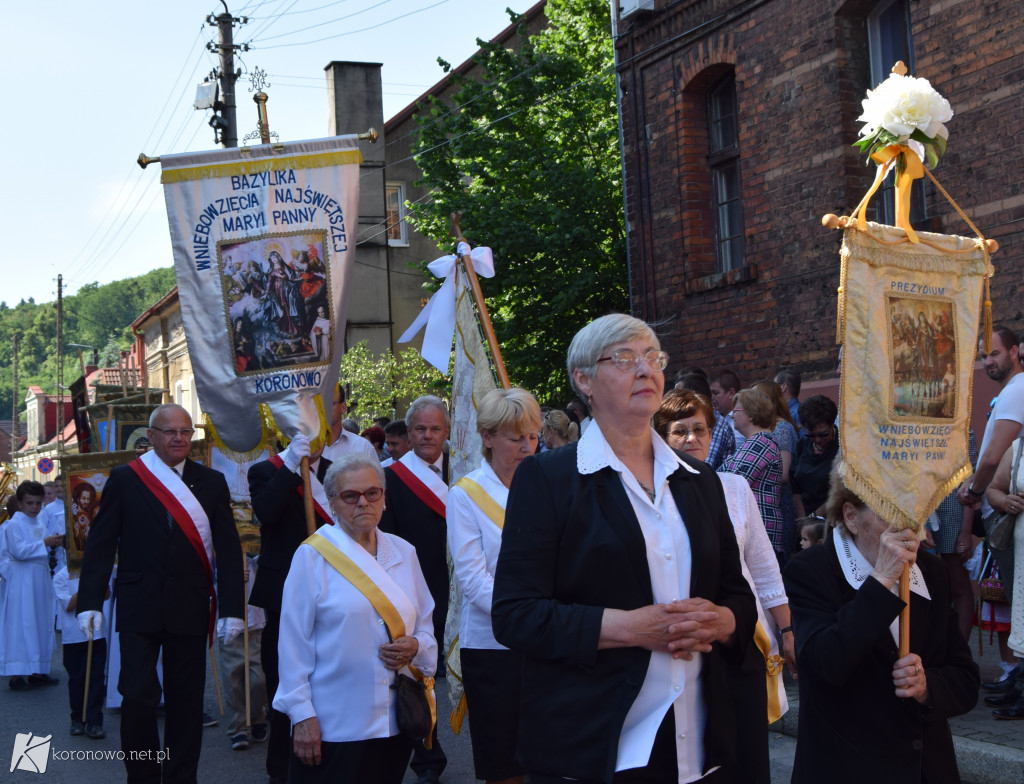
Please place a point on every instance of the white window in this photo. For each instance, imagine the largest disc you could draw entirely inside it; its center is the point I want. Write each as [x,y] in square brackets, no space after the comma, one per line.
[193,399]
[724,163]
[179,393]
[394,206]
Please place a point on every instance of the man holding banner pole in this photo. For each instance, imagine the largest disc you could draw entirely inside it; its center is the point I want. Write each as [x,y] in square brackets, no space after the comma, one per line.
[165,518]
[278,503]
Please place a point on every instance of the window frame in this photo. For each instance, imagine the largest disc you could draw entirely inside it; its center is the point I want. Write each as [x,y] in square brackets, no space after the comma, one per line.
[402,224]
[724,169]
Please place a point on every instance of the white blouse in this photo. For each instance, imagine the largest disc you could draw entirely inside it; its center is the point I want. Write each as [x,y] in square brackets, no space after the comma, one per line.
[474,541]
[330,636]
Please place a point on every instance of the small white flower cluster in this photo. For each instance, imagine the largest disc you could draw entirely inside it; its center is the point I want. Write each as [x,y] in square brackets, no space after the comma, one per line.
[905,109]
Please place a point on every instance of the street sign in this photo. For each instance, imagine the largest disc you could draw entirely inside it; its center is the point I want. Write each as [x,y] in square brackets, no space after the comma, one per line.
[45,465]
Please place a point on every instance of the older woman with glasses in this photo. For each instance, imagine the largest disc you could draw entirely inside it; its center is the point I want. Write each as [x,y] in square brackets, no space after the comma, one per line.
[338,658]
[684,421]
[619,581]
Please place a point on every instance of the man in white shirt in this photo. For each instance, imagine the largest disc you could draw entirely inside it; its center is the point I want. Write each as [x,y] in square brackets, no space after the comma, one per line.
[342,441]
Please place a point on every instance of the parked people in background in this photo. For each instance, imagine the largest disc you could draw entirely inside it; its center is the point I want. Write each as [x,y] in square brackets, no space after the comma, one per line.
[759,461]
[376,436]
[724,386]
[785,436]
[396,437]
[815,451]
[558,430]
[789,381]
[812,531]
[344,440]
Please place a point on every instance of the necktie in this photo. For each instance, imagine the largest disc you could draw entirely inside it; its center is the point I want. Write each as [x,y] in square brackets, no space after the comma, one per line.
[435,469]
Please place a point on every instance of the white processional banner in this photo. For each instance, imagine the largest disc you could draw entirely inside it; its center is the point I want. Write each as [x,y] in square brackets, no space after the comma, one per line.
[263,242]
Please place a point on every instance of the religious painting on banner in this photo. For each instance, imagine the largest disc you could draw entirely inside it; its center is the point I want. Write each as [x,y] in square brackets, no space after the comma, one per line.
[909,315]
[263,242]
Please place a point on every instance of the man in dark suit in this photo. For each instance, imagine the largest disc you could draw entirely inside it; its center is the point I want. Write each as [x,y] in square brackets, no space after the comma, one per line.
[275,489]
[164,517]
[417,489]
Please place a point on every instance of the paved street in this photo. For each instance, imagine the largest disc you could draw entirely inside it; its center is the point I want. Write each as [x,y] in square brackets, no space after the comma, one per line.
[990,751]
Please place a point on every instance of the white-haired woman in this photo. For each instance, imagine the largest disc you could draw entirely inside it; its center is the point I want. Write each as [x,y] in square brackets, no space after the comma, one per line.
[337,658]
[618,574]
[508,421]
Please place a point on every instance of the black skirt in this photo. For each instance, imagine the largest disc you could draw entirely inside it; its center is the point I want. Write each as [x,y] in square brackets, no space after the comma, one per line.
[492,680]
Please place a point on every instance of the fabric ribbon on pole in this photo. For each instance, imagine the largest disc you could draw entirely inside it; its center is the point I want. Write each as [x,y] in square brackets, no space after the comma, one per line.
[438,315]
[908,168]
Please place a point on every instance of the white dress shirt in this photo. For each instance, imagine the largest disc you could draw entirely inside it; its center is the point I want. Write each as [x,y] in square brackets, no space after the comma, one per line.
[474,541]
[348,443]
[669,682]
[330,636]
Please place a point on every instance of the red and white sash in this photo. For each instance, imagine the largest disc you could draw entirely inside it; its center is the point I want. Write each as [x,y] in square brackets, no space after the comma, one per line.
[320,503]
[176,497]
[415,473]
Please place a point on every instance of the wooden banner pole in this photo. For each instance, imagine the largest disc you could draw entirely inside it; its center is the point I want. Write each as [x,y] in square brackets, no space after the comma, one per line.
[905,612]
[245,636]
[481,306]
[88,676]
[307,497]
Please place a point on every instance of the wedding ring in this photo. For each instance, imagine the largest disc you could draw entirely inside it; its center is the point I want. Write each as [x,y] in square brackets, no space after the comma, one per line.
[906,544]
[917,670]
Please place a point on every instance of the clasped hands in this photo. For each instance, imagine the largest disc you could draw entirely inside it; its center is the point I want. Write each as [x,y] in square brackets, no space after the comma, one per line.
[681,628]
[396,655]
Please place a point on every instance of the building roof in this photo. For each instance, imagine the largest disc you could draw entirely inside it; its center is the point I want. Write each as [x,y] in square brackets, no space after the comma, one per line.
[156,308]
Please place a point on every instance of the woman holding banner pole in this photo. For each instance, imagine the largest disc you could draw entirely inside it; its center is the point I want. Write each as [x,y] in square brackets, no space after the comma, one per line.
[508,421]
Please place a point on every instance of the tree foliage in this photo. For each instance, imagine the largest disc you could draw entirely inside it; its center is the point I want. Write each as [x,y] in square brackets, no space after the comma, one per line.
[98,315]
[385,385]
[531,157]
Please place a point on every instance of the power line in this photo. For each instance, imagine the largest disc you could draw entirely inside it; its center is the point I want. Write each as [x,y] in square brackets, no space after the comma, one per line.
[329,21]
[305,10]
[350,32]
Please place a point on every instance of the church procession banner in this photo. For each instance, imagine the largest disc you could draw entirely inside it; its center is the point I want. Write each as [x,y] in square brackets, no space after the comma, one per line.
[909,324]
[263,241]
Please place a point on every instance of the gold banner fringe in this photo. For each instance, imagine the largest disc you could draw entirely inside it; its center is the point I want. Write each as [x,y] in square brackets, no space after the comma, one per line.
[271,434]
[885,509]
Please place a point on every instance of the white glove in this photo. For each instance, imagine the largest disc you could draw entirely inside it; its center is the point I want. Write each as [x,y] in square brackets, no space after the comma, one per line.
[297,449]
[232,628]
[90,621]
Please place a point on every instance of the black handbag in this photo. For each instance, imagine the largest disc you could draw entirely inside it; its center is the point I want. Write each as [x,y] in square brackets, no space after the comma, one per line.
[412,709]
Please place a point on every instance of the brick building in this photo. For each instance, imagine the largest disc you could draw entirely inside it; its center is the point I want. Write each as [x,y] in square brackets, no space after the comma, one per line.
[738,120]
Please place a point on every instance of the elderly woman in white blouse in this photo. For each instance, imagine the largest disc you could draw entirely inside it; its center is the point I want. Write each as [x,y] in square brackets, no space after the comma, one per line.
[685,421]
[508,421]
[337,661]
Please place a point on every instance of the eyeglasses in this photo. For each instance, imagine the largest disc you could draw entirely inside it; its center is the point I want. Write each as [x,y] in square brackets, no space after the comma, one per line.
[626,359]
[170,432]
[352,496]
[698,432]
[819,435]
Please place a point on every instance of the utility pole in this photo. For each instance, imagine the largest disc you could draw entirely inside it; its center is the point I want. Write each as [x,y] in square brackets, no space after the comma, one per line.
[225,124]
[60,367]
[14,407]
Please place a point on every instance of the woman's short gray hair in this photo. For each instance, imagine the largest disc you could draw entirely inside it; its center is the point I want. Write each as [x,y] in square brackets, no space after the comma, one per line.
[348,464]
[591,341]
[424,402]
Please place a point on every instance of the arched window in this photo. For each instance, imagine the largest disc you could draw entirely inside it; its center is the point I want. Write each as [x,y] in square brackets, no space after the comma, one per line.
[724,168]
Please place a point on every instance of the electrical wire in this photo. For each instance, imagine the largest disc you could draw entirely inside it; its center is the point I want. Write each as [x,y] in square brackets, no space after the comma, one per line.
[329,21]
[350,32]
[303,11]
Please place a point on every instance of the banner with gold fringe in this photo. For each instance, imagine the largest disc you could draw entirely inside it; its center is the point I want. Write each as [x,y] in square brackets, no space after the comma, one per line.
[908,322]
[264,242]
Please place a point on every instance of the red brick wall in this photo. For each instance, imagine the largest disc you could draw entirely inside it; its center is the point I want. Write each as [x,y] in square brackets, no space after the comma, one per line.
[801,70]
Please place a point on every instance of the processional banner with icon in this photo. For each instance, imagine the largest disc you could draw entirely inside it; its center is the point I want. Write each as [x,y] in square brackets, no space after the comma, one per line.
[264,241]
[909,310]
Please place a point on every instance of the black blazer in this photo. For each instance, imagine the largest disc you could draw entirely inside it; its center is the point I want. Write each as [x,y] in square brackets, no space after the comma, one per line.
[161,584]
[281,513]
[407,516]
[849,711]
[571,547]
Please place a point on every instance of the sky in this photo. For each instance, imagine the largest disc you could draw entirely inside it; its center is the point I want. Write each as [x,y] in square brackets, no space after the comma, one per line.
[86,87]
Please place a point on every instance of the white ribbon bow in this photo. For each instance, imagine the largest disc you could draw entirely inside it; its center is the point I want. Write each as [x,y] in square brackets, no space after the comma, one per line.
[439,313]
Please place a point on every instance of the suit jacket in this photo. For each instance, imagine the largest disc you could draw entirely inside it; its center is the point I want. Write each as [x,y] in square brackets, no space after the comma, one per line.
[407,516]
[853,728]
[281,513]
[571,547]
[161,583]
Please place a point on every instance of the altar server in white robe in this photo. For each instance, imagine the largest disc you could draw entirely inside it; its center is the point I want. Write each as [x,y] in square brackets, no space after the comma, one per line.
[337,664]
[26,610]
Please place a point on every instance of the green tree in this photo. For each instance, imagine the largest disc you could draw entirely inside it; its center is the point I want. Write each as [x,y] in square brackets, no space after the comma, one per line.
[383,386]
[531,157]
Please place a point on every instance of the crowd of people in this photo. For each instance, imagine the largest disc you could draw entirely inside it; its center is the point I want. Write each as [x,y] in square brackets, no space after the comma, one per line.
[636,571]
